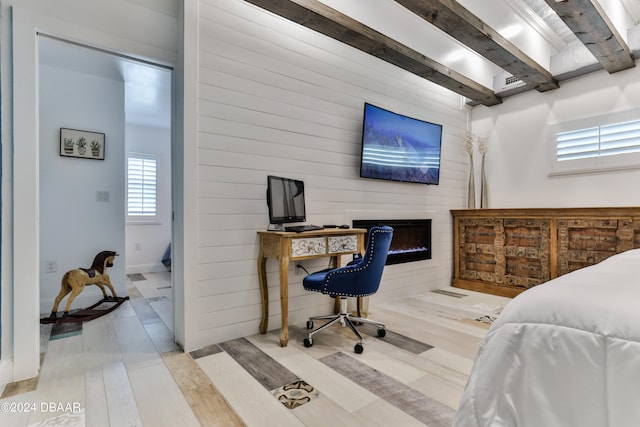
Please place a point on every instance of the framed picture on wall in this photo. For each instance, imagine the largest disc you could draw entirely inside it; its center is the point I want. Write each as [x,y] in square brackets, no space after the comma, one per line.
[82,143]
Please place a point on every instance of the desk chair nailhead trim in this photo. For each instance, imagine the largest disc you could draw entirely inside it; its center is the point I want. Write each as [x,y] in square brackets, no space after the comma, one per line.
[345,271]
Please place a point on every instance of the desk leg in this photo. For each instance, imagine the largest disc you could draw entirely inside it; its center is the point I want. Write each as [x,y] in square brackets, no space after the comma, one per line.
[284,300]
[336,304]
[264,293]
[335,263]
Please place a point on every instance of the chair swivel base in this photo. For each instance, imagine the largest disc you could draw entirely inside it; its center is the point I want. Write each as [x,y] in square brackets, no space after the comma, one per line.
[345,319]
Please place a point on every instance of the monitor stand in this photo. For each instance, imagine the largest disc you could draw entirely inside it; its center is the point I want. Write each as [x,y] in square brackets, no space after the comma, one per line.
[276,227]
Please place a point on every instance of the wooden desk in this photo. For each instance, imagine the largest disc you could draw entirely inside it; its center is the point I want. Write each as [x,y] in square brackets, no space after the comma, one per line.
[288,246]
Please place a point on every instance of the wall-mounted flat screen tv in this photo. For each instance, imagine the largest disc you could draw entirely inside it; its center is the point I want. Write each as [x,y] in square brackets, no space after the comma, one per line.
[399,148]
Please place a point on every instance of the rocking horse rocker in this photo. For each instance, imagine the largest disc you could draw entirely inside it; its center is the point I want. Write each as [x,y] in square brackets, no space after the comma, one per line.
[74,282]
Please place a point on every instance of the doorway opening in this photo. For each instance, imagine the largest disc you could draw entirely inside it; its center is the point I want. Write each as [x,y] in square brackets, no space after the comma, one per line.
[91,205]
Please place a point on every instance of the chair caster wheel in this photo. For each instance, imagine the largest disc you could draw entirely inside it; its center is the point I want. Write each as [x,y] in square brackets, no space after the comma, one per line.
[309,324]
[307,342]
[382,332]
[358,348]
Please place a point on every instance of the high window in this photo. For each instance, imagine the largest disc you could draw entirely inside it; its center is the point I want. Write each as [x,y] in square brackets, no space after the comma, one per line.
[608,143]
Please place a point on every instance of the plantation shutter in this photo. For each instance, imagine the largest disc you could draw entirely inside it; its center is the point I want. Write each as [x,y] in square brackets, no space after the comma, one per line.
[141,186]
[606,140]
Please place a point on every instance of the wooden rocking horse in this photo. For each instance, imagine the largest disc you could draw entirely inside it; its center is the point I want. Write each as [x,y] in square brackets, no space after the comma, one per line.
[74,282]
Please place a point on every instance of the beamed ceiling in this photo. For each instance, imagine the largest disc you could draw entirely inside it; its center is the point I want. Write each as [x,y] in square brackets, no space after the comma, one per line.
[567,38]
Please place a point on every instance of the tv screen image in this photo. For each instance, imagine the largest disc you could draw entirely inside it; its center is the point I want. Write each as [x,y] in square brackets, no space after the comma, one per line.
[399,148]
[285,199]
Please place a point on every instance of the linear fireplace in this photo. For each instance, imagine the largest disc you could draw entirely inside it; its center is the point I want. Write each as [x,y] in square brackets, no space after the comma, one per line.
[411,238]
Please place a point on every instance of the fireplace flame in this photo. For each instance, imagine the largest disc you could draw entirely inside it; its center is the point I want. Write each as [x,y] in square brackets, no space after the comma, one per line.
[407,250]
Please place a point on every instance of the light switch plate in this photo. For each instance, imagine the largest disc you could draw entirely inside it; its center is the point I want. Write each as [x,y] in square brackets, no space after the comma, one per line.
[102,196]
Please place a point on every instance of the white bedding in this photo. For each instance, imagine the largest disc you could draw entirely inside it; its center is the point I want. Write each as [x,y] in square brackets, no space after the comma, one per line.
[563,354]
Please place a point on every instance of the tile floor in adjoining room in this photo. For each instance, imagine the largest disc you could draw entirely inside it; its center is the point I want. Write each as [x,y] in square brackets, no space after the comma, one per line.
[124,369]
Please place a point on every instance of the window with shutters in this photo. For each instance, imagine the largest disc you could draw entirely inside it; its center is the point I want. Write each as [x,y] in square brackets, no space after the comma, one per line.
[610,142]
[142,195]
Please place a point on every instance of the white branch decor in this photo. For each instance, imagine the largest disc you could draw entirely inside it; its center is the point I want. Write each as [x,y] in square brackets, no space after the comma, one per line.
[468,145]
[471,197]
[483,146]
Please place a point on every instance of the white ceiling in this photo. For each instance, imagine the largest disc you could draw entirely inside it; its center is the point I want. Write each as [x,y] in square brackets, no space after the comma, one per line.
[147,86]
[530,25]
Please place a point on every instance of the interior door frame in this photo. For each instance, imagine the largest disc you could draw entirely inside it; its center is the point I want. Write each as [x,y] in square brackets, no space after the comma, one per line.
[23,327]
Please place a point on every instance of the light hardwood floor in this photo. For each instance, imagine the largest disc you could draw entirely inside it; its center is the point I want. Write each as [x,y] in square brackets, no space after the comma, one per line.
[123,369]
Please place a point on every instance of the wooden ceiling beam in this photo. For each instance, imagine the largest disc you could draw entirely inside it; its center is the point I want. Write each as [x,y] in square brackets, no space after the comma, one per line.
[330,22]
[452,18]
[590,23]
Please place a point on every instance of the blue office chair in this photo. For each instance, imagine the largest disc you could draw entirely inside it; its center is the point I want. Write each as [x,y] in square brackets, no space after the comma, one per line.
[359,278]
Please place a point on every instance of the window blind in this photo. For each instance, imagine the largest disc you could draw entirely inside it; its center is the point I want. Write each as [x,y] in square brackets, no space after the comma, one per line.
[141,187]
[606,140]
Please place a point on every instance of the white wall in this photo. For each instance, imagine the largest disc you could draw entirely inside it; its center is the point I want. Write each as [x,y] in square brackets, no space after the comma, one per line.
[521,143]
[140,28]
[146,243]
[276,98]
[74,226]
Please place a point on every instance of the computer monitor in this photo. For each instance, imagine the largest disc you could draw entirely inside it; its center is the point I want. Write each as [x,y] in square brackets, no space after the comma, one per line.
[285,199]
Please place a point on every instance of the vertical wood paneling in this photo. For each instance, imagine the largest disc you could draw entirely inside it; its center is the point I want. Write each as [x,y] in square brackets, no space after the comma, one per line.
[277,98]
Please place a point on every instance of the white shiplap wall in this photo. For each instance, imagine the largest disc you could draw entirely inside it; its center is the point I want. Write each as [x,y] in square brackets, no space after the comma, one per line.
[277,98]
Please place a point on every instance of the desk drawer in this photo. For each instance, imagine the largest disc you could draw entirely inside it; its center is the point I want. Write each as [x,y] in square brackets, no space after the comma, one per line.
[308,246]
[340,244]
[323,246]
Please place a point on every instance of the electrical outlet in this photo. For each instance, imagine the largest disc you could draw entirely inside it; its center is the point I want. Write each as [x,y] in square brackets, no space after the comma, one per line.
[299,270]
[51,266]
[136,246]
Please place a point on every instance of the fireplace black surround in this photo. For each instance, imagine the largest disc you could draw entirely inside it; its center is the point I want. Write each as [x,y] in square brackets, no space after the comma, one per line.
[411,238]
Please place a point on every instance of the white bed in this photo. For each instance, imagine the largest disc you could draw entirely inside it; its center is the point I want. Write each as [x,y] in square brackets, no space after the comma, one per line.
[563,354]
